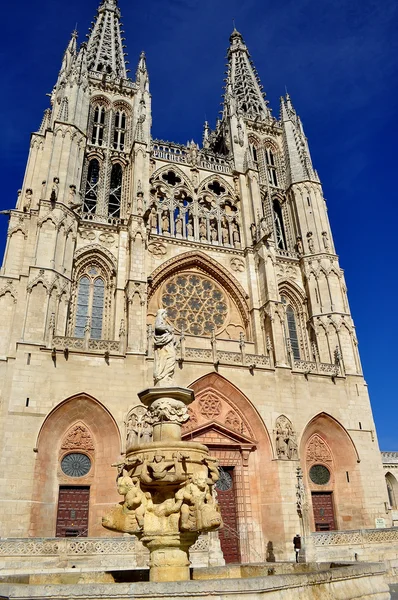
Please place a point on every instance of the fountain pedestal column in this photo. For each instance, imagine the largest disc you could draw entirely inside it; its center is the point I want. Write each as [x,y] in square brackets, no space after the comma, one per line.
[167,484]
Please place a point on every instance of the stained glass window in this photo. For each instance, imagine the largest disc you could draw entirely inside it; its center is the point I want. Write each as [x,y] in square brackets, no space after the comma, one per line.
[319,474]
[76,464]
[292,330]
[90,303]
[195,305]
[98,309]
[83,295]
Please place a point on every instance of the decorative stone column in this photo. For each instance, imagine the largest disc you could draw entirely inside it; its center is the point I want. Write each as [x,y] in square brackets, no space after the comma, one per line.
[167,484]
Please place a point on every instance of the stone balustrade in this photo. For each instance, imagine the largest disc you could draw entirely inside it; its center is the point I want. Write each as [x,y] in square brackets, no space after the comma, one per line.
[60,342]
[91,554]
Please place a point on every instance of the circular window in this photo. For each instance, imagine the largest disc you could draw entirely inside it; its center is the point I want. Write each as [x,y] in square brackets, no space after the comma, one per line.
[225,482]
[319,475]
[195,304]
[75,464]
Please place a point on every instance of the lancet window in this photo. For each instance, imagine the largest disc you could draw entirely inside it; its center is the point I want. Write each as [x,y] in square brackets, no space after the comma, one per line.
[292,334]
[91,193]
[90,305]
[97,136]
[119,131]
[91,308]
[271,167]
[211,217]
[280,235]
[115,191]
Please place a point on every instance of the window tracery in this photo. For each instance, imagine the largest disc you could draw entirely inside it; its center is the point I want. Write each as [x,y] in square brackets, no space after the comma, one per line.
[115,191]
[195,304]
[280,236]
[211,217]
[119,130]
[91,193]
[295,325]
[97,136]
[90,312]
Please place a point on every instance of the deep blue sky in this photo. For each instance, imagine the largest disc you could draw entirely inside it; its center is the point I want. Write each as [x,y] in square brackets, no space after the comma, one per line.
[339,61]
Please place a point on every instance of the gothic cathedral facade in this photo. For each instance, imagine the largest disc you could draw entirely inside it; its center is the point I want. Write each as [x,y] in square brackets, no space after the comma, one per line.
[231,237]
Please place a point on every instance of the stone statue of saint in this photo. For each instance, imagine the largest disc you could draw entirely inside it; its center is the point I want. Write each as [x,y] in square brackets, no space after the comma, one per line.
[190,227]
[165,222]
[325,241]
[178,227]
[164,351]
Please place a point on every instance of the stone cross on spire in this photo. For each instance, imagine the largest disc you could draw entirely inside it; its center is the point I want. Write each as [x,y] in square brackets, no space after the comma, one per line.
[105,43]
[243,87]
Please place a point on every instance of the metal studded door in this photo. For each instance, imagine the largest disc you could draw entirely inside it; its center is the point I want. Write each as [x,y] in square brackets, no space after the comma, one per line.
[72,517]
[229,537]
[322,506]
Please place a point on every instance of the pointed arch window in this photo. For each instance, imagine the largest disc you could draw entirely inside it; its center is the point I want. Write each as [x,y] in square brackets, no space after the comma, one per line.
[253,152]
[119,132]
[91,194]
[271,167]
[292,329]
[279,227]
[90,305]
[97,136]
[115,191]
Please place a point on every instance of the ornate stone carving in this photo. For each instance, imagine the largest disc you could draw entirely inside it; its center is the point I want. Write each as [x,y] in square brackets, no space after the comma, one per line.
[158,469]
[318,451]
[233,421]
[157,249]
[138,426]
[168,409]
[237,265]
[210,405]
[78,438]
[107,238]
[285,438]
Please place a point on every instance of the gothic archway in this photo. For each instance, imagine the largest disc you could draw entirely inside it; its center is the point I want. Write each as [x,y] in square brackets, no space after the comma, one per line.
[224,419]
[330,463]
[214,286]
[76,446]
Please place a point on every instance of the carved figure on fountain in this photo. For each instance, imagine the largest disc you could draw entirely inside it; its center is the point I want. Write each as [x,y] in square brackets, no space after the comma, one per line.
[164,351]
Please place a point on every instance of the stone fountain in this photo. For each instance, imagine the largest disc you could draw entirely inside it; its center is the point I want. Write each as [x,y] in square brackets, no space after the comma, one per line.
[167,484]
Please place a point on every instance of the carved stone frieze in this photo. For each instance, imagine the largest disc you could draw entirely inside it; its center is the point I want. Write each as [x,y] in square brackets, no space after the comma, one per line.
[318,451]
[210,405]
[138,426]
[78,438]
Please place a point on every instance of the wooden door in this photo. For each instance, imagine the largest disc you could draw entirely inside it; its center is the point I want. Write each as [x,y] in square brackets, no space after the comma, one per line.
[229,536]
[322,506]
[72,517]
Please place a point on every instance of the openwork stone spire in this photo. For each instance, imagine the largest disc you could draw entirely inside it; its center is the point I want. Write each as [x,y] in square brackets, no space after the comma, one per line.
[243,87]
[105,44]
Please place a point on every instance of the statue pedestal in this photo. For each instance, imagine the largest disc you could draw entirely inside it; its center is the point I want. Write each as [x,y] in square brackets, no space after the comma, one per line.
[169,556]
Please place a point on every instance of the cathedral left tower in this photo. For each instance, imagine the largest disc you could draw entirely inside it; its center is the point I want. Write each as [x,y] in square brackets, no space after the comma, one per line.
[67,264]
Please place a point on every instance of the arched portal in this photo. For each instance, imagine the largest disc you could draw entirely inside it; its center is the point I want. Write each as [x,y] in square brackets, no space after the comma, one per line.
[332,477]
[74,480]
[224,419]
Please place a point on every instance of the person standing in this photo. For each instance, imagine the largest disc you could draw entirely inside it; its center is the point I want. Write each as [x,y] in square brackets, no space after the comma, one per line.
[297,545]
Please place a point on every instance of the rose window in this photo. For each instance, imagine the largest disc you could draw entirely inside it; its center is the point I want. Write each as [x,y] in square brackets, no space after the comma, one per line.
[194,304]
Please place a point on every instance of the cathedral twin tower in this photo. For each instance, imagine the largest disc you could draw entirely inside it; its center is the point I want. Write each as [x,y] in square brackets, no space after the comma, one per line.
[232,238]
